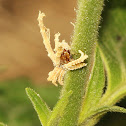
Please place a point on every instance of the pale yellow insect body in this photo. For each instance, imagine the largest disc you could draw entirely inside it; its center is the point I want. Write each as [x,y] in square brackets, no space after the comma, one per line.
[61,57]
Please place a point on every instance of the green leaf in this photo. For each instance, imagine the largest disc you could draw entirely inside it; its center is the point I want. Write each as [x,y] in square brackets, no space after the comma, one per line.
[94,115]
[105,109]
[112,109]
[112,39]
[59,109]
[112,42]
[94,88]
[41,108]
[115,97]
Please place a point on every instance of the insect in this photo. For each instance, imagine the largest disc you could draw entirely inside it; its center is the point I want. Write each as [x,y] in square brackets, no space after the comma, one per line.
[61,56]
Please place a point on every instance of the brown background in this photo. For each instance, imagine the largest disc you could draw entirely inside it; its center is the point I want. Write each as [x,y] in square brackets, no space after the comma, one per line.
[22,52]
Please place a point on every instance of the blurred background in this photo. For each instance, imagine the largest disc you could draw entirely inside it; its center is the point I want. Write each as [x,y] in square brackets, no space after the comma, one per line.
[22,52]
[24,61]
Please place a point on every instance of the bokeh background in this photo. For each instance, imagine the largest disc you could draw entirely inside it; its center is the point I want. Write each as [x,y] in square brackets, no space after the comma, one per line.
[24,61]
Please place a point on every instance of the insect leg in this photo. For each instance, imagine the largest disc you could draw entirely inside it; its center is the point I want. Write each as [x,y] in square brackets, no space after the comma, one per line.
[76,66]
[53,75]
[77,61]
[61,76]
[46,36]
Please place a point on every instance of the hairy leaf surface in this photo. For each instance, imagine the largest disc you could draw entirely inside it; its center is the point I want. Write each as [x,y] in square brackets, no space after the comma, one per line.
[41,108]
[112,42]
[94,88]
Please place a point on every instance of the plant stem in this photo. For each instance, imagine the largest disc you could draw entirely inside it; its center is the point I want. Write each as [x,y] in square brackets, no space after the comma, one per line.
[85,38]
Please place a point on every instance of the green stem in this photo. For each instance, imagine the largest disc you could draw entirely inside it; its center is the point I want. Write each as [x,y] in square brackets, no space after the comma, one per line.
[85,38]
